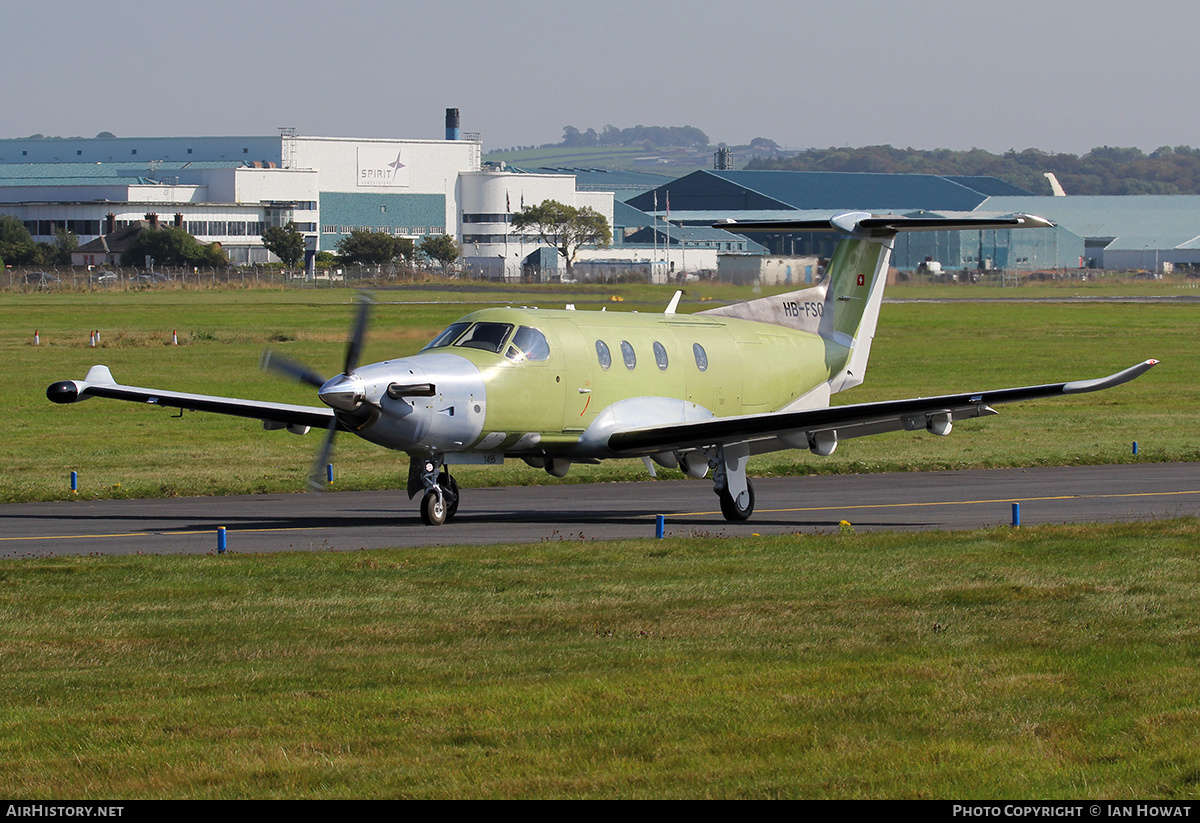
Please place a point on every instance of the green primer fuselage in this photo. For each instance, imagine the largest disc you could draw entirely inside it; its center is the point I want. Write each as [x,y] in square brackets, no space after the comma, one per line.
[750,367]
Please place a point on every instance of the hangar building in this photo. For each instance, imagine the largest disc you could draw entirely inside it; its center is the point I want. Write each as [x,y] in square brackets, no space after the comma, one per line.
[707,197]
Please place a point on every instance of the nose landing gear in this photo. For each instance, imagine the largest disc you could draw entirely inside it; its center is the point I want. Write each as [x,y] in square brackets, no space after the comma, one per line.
[440,502]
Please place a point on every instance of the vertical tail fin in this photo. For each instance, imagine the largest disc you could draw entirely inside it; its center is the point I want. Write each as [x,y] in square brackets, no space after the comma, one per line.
[844,310]
[856,276]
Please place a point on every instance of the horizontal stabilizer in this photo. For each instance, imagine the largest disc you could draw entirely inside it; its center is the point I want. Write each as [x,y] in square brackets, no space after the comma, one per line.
[868,225]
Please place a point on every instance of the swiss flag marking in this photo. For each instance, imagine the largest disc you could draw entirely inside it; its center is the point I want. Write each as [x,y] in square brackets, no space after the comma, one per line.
[862,280]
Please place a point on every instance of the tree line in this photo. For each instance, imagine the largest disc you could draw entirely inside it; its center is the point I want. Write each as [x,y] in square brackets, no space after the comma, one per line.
[173,246]
[1103,170]
[650,136]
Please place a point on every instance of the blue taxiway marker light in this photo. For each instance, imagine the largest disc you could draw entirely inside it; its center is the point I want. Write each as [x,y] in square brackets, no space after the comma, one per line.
[74,482]
[1135,447]
[220,540]
[660,525]
[1016,515]
[329,472]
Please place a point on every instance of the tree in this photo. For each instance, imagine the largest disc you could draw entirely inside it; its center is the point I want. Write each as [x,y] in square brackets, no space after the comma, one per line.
[565,227]
[440,248]
[172,246]
[16,243]
[65,242]
[286,243]
[372,248]
[764,143]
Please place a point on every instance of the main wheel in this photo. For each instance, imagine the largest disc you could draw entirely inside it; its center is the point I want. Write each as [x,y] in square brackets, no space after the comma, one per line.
[433,509]
[730,508]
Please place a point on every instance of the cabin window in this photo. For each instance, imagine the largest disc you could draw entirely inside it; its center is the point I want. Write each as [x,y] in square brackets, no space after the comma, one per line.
[486,336]
[628,354]
[660,356]
[528,344]
[603,354]
[448,336]
[701,357]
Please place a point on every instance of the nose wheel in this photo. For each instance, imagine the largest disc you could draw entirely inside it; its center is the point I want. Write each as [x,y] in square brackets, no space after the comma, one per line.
[440,502]
[433,508]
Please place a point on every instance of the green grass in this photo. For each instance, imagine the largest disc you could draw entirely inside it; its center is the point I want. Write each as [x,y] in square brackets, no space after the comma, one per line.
[1056,662]
[125,450]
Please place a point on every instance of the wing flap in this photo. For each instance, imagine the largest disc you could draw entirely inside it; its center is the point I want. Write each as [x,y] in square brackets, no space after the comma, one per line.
[797,427]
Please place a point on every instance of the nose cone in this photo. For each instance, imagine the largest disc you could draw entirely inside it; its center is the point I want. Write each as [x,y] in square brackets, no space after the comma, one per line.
[345,392]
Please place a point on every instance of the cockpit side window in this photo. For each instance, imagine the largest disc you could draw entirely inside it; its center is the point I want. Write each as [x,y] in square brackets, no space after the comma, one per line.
[448,336]
[486,336]
[528,344]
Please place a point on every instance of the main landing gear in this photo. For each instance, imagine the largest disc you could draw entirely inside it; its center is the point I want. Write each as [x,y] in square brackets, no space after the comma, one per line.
[440,502]
[733,488]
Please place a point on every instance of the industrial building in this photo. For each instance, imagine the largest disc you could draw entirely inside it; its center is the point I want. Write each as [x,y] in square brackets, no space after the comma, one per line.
[707,197]
[228,189]
[1132,232]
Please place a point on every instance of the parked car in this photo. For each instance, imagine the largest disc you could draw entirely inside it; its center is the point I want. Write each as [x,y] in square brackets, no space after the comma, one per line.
[103,278]
[41,278]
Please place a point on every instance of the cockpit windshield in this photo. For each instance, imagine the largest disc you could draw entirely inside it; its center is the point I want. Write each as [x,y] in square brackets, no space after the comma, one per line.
[486,336]
[527,344]
[448,336]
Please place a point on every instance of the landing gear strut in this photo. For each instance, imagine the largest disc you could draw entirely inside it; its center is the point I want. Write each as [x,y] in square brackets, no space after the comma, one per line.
[440,502]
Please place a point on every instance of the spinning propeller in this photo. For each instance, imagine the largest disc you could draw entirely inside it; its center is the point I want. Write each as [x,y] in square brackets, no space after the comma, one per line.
[344,393]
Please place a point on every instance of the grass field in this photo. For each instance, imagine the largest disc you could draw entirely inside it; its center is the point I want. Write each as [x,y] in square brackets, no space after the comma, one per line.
[1054,662]
[125,450]
[1057,662]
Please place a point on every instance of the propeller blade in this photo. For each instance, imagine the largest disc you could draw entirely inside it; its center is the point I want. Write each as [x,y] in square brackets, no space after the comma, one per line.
[316,477]
[290,368]
[354,345]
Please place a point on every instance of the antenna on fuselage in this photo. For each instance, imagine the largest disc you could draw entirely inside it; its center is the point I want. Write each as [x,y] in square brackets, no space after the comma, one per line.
[674,302]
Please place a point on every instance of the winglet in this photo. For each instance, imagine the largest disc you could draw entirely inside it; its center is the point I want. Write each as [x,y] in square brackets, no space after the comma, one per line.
[100,375]
[1123,376]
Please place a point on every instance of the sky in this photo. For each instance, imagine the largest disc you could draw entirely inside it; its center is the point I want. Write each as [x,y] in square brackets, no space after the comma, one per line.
[1056,75]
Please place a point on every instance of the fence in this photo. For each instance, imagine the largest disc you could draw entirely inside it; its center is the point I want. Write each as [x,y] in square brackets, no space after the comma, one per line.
[69,278]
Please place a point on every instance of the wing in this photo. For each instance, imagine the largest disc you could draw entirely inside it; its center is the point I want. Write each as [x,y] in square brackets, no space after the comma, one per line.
[821,429]
[100,383]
